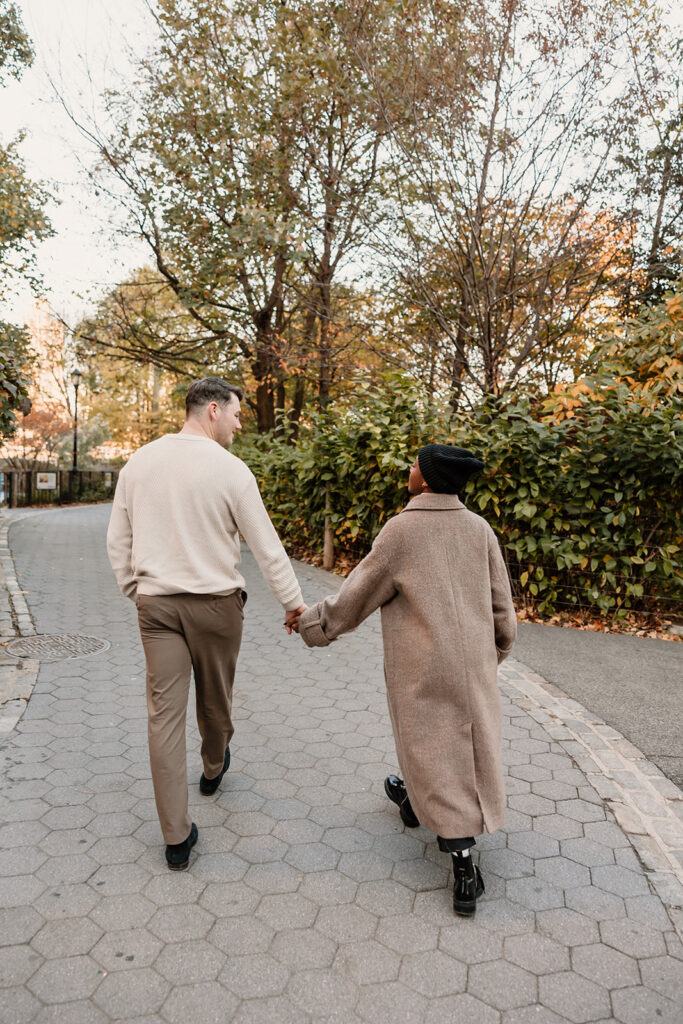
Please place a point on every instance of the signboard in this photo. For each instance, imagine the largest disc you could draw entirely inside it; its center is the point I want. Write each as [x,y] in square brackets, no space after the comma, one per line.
[108,480]
[46,481]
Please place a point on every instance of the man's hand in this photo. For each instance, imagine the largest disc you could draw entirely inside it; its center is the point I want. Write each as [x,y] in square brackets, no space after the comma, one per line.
[292,619]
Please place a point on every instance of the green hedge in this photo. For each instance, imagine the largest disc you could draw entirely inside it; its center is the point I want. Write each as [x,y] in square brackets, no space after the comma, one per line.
[586,502]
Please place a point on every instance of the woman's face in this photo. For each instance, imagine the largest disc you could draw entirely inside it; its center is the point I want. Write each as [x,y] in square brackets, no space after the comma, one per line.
[416,482]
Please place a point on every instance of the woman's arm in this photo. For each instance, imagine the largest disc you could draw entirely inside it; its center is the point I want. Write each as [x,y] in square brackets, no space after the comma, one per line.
[369,586]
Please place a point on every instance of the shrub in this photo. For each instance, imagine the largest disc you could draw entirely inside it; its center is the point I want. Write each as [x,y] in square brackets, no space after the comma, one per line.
[583,490]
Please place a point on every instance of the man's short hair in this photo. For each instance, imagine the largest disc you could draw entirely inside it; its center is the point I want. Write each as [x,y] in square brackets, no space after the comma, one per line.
[210,389]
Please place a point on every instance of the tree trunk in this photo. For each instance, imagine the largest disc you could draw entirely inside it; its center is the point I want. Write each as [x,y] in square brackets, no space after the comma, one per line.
[262,368]
[297,405]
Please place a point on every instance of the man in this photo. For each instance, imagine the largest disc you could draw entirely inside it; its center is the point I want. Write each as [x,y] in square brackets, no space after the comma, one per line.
[173,544]
[438,575]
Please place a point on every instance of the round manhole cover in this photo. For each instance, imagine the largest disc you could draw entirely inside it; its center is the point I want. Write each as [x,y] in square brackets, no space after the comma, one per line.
[55,648]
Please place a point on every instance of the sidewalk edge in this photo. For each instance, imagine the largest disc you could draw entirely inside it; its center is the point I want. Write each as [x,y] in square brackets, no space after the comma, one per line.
[17,678]
[647,806]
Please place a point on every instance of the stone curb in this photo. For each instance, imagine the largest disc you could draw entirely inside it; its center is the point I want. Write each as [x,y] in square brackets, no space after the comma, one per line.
[647,806]
[17,678]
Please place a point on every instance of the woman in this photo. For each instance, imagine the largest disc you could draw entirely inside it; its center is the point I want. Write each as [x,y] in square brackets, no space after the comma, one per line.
[448,620]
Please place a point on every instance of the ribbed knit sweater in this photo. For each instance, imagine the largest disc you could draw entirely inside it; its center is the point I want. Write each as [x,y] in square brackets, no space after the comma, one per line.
[179,505]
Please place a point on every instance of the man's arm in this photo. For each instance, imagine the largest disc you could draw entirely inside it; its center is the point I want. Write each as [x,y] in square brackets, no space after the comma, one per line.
[369,586]
[504,617]
[254,524]
[120,541]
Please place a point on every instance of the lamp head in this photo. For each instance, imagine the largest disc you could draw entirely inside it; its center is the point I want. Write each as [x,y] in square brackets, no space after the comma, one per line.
[76,377]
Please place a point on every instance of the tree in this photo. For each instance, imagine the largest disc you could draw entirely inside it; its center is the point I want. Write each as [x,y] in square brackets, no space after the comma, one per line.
[497,233]
[245,166]
[22,225]
[39,439]
[649,163]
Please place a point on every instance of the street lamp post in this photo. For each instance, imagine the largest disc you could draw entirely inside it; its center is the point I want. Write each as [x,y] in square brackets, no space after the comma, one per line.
[76,378]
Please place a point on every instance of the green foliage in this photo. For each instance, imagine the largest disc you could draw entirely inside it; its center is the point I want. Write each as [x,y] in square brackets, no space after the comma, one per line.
[13,384]
[16,51]
[587,507]
[358,458]
[22,224]
[647,352]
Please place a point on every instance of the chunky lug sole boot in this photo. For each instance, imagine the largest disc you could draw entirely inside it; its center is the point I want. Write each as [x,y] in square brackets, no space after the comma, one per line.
[396,791]
[468,886]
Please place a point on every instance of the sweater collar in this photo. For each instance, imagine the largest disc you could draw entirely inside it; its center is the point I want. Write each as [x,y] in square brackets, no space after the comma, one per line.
[434,502]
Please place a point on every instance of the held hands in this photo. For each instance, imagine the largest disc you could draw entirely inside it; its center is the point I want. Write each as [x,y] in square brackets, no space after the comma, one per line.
[292,619]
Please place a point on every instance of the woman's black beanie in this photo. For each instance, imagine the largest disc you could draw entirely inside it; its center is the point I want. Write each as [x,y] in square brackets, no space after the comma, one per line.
[447,469]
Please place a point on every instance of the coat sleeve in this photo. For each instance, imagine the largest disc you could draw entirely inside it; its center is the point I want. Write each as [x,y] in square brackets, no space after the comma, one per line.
[504,618]
[120,541]
[369,586]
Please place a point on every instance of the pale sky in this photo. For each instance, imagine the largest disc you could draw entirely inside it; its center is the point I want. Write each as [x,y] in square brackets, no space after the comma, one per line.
[84,45]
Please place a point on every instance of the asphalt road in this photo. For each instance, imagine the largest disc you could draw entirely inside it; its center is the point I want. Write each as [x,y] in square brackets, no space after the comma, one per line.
[635,685]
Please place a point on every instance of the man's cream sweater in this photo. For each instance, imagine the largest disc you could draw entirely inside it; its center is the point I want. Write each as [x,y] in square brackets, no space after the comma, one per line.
[179,504]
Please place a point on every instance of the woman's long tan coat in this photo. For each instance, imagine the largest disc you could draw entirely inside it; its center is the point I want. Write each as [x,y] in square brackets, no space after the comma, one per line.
[447,621]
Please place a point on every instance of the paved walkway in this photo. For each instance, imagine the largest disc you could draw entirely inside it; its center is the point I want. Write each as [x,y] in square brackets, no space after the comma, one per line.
[306,901]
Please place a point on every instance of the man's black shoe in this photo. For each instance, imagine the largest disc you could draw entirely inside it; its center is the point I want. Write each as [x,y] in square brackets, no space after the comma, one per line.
[178,854]
[395,789]
[468,886]
[209,786]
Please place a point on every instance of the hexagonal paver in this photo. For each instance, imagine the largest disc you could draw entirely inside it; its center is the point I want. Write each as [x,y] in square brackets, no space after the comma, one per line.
[206,1001]
[385,897]
[367,962]
[460,1008]
[664,975]
[501,985]
[620,881]
[536,953]
[256,974]
[534,893]
[180,923]
[273,877]
[536,1014]
[605,966]
[17,964]
[300,948]
[575,997]
[585,851]
[567,927]
[127,949]
[18,925]
[63,980]
[640,1005]
[66,937]
[287,910]
[595,903]
[174,887]
[632,938]
[239,935]
[365,866]
[118,912]
[404,934]
[24,1006]
[129,994]
[346,923]
[433,973]
[558,826]
[185,963]
[390,1001]
[322,993]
